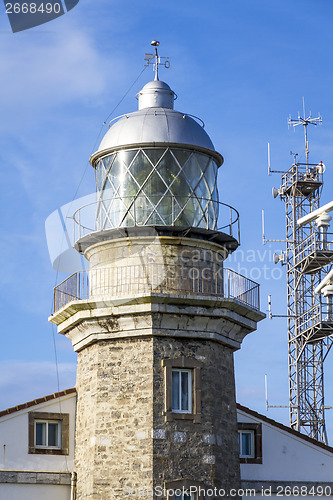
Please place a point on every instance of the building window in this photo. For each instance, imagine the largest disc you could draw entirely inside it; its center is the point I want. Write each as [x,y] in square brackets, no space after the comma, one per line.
[48,433]
[246,444]
[250,443]
[182,389]
[185,489]
[184,496]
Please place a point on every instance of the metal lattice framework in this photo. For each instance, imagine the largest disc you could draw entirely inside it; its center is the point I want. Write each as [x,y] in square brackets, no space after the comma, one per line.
[310,325]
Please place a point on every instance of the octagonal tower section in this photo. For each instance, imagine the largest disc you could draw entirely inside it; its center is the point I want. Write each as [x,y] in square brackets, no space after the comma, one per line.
[157,317]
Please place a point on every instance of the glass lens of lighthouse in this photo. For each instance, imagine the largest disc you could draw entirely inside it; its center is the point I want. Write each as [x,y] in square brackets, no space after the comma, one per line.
[157,186]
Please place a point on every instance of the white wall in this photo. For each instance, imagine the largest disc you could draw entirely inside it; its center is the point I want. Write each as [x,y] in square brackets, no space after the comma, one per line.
[287,457]
[14,434]
[34,492]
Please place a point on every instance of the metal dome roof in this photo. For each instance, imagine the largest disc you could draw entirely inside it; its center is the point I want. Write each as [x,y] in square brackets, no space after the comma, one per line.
[156,94]
[156,125]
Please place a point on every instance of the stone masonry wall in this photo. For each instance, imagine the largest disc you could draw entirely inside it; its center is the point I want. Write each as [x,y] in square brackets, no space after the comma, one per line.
[114,419]
[206,452]
[123,441]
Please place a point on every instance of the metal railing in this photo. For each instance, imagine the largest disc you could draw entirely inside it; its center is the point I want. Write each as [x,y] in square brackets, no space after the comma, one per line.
[180,211]
[319,313]
[156,278]
[301,172]
[313,244]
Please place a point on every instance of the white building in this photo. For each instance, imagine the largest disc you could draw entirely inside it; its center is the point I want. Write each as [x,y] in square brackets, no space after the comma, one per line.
[37,454]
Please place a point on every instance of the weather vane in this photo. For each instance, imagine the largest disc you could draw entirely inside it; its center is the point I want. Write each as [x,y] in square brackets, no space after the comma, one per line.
[156,60]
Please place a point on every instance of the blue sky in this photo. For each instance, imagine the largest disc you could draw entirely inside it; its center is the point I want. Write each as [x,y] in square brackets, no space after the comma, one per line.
[241,66]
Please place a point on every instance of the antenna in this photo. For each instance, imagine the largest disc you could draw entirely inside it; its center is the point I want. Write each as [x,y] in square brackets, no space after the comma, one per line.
[270,307]
[266,392]
[269,162]
[295,156]
[271,315]
[305,122]
[265,240]
[158,60]
[266,397]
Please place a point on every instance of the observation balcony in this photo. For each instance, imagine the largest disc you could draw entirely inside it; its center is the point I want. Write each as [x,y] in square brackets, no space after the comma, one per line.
[302,179]
[153,279]
[189,216]
[313,253]
[316,323]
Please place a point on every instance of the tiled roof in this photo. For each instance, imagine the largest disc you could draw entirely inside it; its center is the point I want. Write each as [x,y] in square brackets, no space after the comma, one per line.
[38,401]
[240,407]
[283,427]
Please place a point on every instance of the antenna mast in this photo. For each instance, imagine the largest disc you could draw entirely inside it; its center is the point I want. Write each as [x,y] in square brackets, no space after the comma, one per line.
[305,122]
[308,258]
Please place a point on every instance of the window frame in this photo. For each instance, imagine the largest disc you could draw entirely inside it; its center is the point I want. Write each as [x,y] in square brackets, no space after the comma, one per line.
[251,432]
[180,484]
[189,389]
[63,433]
[186,364]
[192,496]
[47,422]
[256,430]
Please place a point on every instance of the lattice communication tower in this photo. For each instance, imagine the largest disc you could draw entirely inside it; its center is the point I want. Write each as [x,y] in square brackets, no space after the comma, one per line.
[308,258]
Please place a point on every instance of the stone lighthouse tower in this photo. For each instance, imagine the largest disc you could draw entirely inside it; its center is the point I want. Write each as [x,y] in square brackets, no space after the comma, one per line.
[157,317]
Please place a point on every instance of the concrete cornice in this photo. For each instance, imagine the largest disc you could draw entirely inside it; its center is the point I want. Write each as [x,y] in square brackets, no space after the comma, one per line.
[226,321]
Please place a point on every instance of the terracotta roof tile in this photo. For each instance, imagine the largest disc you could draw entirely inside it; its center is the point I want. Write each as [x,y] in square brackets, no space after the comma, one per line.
[38,401]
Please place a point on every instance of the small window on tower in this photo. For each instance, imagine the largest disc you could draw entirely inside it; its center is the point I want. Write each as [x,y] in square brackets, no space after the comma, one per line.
[182,389]
[48,433]
[185,489]
[184,496]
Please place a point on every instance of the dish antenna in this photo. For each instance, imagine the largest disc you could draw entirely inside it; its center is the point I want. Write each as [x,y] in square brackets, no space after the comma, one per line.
[279,257]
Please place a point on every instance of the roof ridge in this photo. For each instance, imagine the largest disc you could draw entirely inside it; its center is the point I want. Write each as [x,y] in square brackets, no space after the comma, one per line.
[240,407]
[283,427]
[37,401]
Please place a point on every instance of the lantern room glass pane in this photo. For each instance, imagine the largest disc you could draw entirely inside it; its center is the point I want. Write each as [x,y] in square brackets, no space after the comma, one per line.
[157,186]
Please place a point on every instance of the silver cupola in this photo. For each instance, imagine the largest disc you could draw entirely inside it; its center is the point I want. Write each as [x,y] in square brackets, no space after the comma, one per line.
[156,166]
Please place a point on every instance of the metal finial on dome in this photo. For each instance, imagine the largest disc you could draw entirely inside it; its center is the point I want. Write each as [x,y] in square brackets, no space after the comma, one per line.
[158,60]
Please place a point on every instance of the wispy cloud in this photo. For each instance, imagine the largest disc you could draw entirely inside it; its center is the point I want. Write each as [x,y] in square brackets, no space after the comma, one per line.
[51,69]
[22,381]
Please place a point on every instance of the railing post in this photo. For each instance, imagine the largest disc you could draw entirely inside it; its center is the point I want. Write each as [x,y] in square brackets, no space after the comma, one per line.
[172,211]
[135,211]
[230,230]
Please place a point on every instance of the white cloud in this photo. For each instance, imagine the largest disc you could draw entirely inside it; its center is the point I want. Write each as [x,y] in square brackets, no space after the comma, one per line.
[48,69]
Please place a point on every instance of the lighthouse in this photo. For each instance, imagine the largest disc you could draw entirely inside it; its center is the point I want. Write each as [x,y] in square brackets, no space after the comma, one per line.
[157,317]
